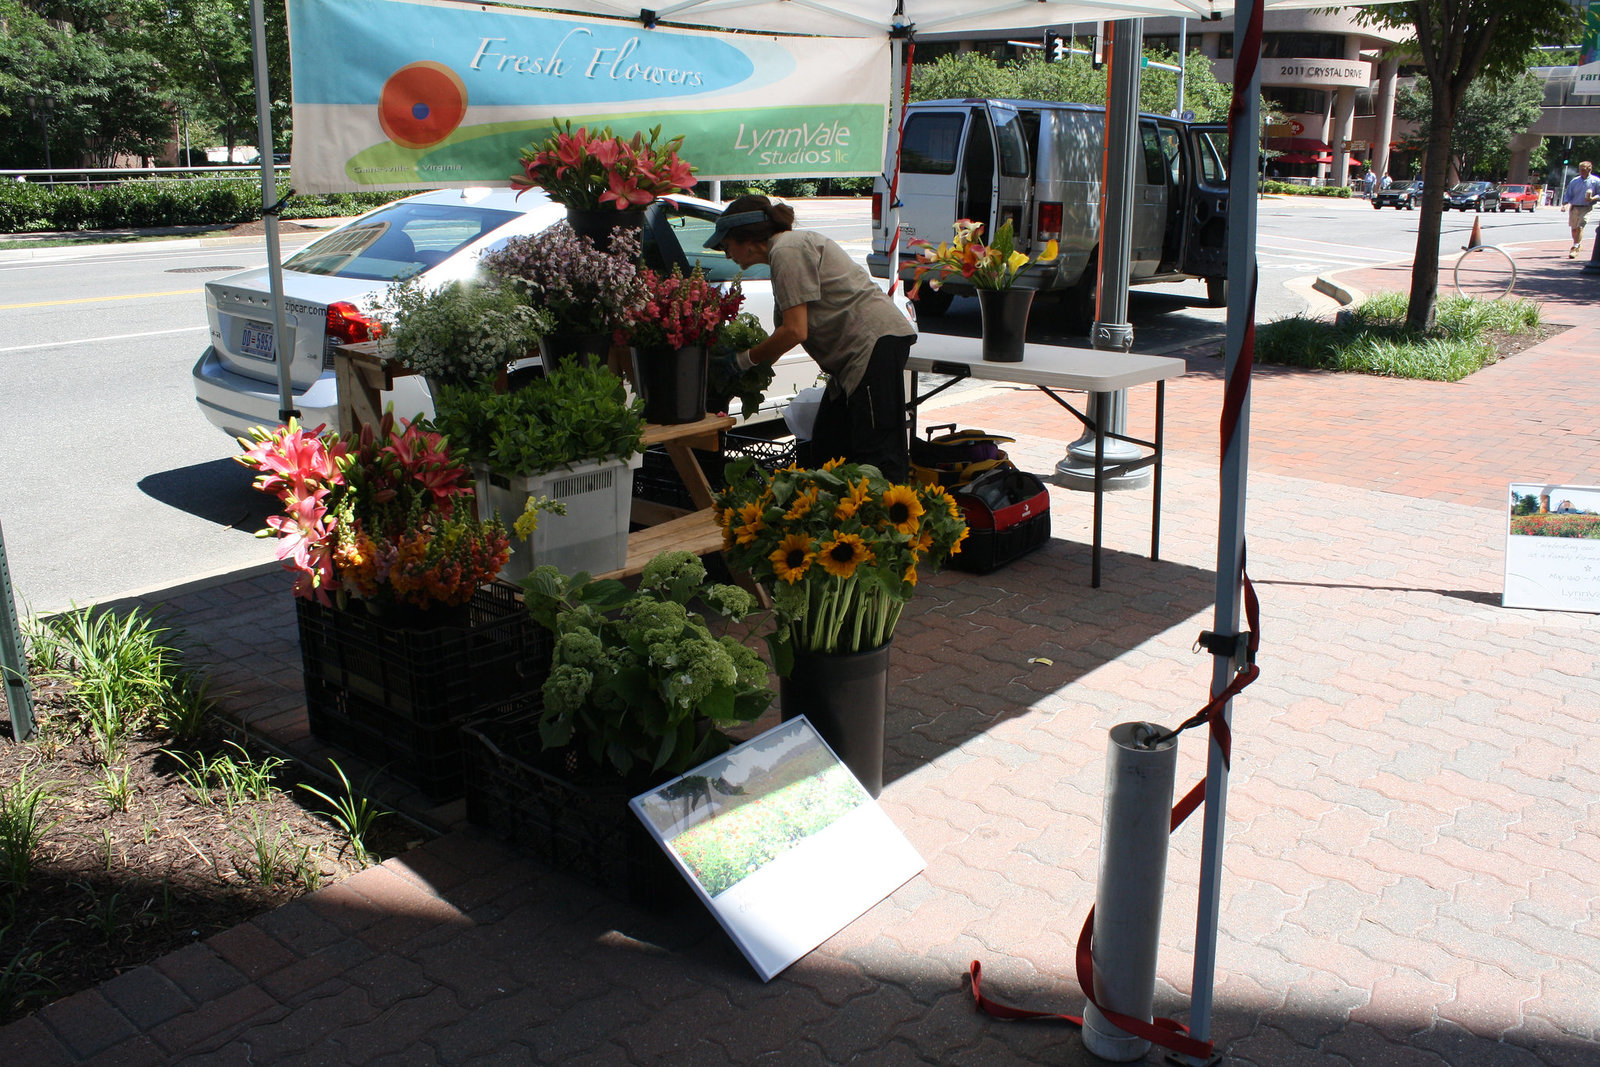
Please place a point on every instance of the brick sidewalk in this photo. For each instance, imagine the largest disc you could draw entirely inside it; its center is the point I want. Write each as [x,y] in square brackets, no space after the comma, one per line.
[1412,843]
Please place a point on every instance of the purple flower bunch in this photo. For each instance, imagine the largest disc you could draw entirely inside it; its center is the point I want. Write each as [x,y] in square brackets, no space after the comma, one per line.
[586,289]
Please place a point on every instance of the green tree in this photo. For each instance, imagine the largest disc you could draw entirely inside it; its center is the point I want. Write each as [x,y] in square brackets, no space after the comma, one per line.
[101,87]
[1075,80]
[1493,110]
[205,46]
[1455,41]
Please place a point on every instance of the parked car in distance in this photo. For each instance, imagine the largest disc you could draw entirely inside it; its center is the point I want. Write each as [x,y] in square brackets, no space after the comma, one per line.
[1399,195]
[330,284]
[1517,197]
[1473,196]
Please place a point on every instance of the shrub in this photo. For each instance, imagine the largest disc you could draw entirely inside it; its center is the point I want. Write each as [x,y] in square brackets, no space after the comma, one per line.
[27,207]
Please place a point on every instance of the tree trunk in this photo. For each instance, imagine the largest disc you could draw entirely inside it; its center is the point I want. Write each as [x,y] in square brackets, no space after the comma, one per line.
[1435,176]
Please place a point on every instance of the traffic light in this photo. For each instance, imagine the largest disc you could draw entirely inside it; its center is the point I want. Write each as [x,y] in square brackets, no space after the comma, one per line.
[1055,47]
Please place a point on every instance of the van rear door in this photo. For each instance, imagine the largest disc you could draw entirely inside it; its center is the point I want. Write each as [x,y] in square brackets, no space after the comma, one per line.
[964,161]
[1205,239]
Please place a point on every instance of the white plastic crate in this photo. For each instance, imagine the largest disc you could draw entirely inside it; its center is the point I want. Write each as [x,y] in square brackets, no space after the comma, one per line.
[592,536]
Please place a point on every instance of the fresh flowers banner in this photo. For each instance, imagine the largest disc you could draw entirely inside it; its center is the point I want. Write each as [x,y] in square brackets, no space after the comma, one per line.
[398,94]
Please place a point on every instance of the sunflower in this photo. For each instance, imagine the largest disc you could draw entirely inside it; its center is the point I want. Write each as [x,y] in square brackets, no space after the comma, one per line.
[910,576]
[801,506]
[792,558]
[903,507]
[836,461]
[841,556]
[859,494]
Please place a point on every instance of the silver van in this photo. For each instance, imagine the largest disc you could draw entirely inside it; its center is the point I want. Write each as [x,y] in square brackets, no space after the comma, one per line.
[1039,164]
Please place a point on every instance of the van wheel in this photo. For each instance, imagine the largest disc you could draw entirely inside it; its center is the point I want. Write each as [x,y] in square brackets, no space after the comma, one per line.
[1078,302]
[933,302]
[1216,292]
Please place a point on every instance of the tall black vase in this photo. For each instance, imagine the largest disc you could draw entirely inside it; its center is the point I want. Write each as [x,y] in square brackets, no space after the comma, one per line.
[672,383]
[845,695]
[590,349]
[1005,323]
[598,224]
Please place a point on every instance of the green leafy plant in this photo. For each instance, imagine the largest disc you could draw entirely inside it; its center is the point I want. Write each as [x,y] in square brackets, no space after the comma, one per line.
[1374,338]
[196,774]
[462,332]
[267,854]
[115,788]
[353,813]
[121,669]
[573,414]
[23,979]
[724,380]
[188,711]
[638,678]
[23,827]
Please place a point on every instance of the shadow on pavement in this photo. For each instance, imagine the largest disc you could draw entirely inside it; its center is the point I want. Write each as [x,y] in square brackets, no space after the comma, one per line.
[217,491]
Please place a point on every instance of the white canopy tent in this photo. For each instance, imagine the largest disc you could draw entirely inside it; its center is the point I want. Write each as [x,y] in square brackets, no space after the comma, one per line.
[900,20]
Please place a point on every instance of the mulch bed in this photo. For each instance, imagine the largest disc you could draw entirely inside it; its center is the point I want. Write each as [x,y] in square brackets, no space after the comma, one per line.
[111,890]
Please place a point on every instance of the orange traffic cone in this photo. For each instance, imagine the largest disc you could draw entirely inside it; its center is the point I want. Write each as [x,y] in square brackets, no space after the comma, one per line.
[1477,235]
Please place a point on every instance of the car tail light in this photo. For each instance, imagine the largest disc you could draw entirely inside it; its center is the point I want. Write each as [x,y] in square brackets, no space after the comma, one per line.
[1049,222]
[877,210]
[346,325]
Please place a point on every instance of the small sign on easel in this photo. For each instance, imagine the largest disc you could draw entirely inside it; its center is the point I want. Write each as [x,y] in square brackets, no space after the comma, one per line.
[1553,547]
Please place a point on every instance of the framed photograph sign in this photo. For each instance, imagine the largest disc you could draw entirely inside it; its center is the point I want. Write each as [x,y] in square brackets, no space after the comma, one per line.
[780,841]
[1553,547]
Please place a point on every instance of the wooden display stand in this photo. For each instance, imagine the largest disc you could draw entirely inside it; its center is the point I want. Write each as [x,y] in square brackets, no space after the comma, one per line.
[363,373]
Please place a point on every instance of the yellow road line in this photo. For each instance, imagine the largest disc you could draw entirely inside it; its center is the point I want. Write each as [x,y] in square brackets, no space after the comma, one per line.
[97,299]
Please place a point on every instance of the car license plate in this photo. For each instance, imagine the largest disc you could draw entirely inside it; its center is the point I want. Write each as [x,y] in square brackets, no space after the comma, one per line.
[255,339]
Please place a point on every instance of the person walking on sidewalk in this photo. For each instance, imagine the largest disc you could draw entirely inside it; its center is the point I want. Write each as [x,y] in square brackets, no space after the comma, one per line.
[1580,197]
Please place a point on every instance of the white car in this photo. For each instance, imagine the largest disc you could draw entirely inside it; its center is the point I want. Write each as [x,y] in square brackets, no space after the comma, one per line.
[329,284]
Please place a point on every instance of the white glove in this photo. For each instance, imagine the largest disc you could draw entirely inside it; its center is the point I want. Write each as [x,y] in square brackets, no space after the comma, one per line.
[742,358]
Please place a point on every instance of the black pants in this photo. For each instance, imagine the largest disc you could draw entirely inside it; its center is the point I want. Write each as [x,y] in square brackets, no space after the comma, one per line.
[869,425]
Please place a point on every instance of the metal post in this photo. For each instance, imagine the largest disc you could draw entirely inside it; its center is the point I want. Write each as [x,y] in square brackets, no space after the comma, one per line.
[1133,872]
[282,341]
[1183,63]
[1242,171]
[1111,329]
[13,658]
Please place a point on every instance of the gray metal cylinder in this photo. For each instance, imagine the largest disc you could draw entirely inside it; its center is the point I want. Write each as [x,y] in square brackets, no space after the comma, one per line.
[1133,872]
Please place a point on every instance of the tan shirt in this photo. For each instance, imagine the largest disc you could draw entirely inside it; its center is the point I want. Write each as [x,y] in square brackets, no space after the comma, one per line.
[846,312]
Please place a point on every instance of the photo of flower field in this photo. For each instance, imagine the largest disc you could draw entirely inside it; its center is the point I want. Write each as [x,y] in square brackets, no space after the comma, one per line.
[723,850]
[1555,511]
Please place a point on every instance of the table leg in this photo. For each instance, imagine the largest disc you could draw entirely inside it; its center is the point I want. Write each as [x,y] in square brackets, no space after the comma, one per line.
[1102,414]
[1155,504]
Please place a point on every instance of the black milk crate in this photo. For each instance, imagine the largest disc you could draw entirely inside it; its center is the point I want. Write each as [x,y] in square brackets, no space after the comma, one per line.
[577,824]
[767,443]
[398,696]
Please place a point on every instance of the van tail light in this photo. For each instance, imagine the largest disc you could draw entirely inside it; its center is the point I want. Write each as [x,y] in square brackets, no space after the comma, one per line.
[1049,222]
[877,211]
[346,325]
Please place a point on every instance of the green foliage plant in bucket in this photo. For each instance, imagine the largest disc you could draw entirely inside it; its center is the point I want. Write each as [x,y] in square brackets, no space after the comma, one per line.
[572,437]
[992,270]
[589,293]
[680,317]
[638,682]
[841,550]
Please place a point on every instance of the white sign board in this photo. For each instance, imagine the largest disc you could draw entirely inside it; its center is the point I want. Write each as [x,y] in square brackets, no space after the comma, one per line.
[780,841]
[1553,547]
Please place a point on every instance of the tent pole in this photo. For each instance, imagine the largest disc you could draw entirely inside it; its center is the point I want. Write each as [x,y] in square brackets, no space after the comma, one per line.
[281,339]
[891,209]
[1243,176]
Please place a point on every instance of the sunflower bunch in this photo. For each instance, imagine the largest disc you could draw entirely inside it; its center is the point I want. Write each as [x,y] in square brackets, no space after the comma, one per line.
[840,549]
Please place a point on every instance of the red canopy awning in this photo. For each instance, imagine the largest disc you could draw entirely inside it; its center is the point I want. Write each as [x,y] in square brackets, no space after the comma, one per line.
[1301,157]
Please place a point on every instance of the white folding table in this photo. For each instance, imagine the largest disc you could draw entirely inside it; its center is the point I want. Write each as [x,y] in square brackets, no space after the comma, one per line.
[1051,368]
